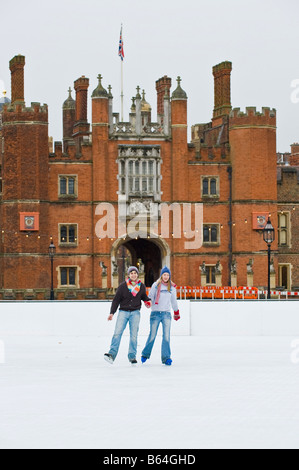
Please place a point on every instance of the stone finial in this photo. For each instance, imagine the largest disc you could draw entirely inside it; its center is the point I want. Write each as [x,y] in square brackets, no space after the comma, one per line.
[133,107]
[100,91]
[138,96]
[69,103]
[109,92]
[179,93]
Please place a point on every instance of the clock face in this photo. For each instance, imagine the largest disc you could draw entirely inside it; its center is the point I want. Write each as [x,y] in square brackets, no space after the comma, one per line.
[261,220]
[29,221]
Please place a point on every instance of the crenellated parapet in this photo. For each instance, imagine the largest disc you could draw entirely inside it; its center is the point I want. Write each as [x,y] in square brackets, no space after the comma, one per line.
[252,118]
[17,113]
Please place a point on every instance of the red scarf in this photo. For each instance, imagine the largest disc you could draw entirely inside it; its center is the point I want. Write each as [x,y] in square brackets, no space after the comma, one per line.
[134,289]
[169,284]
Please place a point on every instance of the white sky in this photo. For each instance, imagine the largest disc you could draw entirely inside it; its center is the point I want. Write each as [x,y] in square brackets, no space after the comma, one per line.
[65,39]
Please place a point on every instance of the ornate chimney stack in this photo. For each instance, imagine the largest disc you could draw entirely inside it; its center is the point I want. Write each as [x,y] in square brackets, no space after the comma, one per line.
[161,84]
[81,127]
[222,98]
[16,66]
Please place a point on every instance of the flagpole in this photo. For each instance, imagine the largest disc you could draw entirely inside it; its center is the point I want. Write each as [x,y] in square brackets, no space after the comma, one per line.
[122,92]
[121,55]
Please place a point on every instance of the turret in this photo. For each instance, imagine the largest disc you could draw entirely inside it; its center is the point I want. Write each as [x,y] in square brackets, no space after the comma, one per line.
[100,135]
[25,190]
[179,142]
[69,118]
[252,138]
[146,111]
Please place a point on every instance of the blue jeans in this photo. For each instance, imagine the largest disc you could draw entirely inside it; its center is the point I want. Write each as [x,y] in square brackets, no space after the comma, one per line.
[122,320]
[156,319]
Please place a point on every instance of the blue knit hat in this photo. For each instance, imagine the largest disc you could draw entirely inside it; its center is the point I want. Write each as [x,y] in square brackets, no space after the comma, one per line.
[166,270]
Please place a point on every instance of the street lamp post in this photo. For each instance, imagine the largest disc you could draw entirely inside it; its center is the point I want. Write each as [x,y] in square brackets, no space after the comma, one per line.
[269,237]
[52,250]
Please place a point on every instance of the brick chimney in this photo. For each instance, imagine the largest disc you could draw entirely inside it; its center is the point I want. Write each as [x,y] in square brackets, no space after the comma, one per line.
[81,87]
[16,66]
[81,126]
[222,98]
[161,84]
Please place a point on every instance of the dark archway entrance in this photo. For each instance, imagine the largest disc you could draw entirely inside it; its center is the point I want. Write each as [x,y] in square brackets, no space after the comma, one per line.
[132,250]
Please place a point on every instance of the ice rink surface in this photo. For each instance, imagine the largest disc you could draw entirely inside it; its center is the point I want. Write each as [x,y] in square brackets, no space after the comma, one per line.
[221,392]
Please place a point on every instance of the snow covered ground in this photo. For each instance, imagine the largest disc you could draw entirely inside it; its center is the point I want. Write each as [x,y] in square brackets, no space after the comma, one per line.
[220,392]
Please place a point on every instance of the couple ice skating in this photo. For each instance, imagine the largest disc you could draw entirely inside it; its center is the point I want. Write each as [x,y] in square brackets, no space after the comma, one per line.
[162,298]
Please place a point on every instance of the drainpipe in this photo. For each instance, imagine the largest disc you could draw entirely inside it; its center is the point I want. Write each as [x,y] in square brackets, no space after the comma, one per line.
[230,224]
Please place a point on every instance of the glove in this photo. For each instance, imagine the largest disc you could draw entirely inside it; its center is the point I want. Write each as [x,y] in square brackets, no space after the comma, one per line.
[147,304]
[176,315]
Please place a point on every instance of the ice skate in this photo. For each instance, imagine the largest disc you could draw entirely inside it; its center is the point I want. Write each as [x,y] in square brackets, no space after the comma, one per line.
[108,357]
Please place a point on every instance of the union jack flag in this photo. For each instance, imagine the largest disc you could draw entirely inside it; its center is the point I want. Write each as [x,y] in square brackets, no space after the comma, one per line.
[121,45]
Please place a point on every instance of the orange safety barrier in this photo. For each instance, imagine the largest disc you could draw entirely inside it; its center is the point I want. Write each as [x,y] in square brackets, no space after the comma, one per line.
[248,293]
[226,292]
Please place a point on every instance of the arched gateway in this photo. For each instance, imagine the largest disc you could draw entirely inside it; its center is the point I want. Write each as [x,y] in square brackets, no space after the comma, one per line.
[148,254]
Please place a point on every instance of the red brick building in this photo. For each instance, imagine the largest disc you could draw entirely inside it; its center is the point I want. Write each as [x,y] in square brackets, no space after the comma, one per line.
[86,195]
[288,218]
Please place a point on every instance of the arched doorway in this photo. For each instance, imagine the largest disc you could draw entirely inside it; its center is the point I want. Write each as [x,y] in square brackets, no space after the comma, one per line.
[153,253]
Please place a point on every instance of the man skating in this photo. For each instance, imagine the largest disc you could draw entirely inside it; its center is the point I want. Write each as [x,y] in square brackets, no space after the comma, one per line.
[128,298]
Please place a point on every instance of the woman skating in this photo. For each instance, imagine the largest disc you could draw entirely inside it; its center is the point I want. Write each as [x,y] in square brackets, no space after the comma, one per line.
[164,298]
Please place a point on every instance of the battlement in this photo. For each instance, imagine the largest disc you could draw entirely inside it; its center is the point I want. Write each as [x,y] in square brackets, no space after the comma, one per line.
[267,117]
[251,111]
[20,108]
[18,112]
[70,152]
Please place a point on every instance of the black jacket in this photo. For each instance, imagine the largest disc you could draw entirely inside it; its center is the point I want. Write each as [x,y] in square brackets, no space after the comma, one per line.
[126,301]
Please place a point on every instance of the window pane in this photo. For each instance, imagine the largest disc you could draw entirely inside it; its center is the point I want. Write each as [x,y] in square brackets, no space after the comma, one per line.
[72,234]
[72,276]
[63,272]
[123,185]
[63,234]
[205,186]
[214,234]
[136,168]
[144,184]
[130,168]
[130,184]
[150,185]
[284,277]
[122,168]
[137,186]
[213,274]
[206,234]
[151,168]
[62,185]
[283,237]
[144,168]
[213,187]
[71,184]
[283,221]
